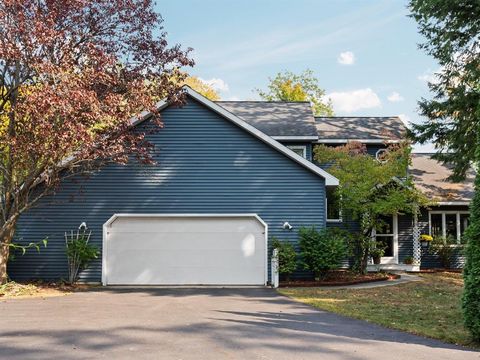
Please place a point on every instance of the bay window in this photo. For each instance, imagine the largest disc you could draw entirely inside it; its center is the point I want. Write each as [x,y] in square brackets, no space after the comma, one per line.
[448,224]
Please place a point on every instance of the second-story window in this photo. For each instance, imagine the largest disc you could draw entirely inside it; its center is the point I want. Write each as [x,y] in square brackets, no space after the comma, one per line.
[299,149]
[380,155]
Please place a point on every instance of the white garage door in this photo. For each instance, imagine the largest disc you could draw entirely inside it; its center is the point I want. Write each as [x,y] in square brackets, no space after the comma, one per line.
[184,250]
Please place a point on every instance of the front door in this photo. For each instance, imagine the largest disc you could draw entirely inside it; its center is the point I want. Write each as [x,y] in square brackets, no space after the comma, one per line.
[388,236]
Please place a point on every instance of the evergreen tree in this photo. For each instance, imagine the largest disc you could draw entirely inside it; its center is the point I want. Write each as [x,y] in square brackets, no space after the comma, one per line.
[452,32]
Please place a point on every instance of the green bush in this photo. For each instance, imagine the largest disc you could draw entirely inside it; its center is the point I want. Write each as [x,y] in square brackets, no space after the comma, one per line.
[321,251]
[471,273]
[79,254]
[287,257]
[442,247]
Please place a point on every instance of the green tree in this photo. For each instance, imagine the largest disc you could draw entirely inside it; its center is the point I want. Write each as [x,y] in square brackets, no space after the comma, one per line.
[452,117]
[370,189]
[452,32]
[202,87]
[287,86]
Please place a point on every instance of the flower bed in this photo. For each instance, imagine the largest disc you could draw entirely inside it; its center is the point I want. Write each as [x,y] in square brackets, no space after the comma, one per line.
[341,277]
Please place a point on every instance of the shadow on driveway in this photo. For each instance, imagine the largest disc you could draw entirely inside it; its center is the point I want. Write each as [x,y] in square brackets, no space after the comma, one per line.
[205,323]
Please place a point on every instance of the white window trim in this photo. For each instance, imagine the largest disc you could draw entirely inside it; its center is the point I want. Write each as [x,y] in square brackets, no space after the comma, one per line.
[390,259]
[299,147]
[444,221]
[340,218]
[379,151]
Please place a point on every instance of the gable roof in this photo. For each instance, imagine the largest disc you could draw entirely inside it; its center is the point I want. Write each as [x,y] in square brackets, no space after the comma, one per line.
[373,129]
[279,119]
[430,175]
[330,180]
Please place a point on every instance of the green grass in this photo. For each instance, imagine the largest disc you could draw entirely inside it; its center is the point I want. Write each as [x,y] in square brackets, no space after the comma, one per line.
[430,308]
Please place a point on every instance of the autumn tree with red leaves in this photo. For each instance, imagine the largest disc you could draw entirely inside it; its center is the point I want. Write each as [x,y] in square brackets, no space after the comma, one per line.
[73,74]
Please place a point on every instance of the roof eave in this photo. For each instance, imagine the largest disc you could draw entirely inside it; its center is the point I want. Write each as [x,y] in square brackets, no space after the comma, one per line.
[364,141]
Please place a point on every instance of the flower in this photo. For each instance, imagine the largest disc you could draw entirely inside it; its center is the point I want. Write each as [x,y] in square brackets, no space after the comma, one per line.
[425,237]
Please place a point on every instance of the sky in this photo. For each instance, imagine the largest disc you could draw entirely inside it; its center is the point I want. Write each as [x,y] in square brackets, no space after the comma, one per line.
[363,52]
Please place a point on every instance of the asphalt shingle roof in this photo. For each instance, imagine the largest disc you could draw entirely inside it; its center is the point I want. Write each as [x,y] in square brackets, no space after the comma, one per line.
[360,128]
[275,118]
[429,176]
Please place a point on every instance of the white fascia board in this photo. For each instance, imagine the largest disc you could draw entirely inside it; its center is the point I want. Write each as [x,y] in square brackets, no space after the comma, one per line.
[452,203]
[364,141]
[295,138]
[134,121]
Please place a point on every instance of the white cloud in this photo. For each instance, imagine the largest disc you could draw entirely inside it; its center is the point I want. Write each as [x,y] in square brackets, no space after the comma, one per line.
[395,97]
[429,76]
[216,84]
[350,101]
[346,58]
[405,119]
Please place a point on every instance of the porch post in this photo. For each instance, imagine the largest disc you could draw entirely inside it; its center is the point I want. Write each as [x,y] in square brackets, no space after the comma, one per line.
[417,249]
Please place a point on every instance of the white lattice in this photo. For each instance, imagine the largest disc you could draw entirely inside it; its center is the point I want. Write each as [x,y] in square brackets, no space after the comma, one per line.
[417,248]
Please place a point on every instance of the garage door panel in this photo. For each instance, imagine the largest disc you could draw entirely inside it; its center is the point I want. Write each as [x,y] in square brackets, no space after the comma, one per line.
[184,276]
[178,224]
[185,241]
[170,251]
[175,258]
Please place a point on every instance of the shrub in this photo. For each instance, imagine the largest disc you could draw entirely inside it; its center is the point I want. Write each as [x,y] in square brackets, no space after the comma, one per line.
[79,253]
[471,273]
[408,260]
[287,257]
[442,248]
[322,250]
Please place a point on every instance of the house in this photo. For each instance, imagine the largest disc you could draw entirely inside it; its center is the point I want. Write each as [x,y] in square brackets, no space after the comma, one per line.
[228,177]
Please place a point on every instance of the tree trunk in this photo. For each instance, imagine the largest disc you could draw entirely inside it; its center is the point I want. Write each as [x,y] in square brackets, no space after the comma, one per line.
[5,242]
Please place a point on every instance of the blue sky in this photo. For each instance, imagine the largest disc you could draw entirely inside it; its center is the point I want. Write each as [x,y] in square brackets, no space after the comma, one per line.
[364,53]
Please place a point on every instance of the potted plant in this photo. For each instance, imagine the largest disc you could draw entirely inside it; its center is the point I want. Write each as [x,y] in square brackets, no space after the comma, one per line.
[425,240]
[408,260]
[376,254]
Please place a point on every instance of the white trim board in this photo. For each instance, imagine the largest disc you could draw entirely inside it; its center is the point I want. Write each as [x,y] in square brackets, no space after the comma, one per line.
[295,138]
[114,217]
[364,141]
[452,203]
[330,180]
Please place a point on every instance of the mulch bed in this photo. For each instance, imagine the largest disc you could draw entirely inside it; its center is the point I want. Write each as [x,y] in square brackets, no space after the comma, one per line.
[37,289]
[339,278]
[440,270]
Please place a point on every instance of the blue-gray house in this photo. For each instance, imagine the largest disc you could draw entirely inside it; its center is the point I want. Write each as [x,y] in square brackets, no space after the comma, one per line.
[228,177]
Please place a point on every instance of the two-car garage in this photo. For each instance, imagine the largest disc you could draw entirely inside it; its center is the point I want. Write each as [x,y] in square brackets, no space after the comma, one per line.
[184,249]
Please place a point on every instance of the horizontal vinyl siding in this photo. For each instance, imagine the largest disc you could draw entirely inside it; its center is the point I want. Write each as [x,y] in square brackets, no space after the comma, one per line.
[205,164]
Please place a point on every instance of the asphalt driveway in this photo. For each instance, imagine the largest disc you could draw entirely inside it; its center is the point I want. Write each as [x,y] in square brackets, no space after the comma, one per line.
[156,323]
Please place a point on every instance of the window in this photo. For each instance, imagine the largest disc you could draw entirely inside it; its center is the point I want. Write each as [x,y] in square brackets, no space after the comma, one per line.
[333,205]
[299,149]
[380,155]
[386,235]
[448,224]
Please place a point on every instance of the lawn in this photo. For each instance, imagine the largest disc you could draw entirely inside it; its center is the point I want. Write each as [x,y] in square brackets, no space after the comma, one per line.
[430,308]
